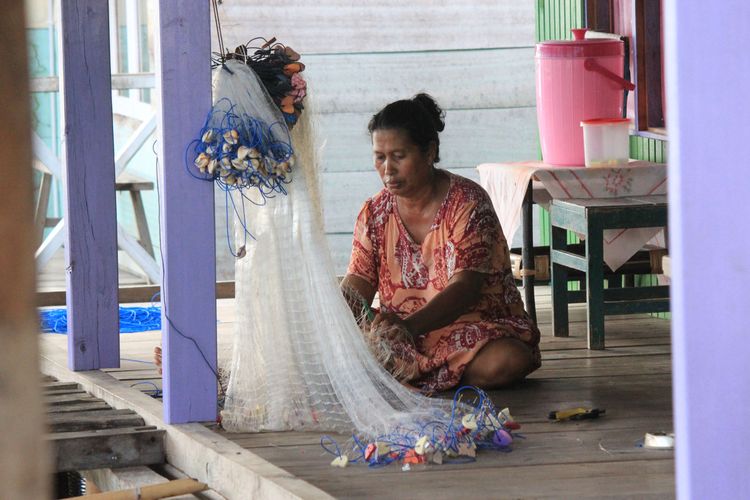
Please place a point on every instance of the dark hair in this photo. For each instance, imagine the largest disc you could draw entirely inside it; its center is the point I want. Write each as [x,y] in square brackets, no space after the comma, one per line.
[420,117]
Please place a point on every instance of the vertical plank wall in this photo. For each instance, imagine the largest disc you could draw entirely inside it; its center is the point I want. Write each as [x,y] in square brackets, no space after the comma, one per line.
[89,176]
[24,470]
[475,57]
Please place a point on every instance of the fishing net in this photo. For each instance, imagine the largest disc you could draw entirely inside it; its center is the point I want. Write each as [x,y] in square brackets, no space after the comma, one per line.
[300,360]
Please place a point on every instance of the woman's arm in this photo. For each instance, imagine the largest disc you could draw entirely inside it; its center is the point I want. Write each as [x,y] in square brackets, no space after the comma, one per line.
[358,293]
[463,292]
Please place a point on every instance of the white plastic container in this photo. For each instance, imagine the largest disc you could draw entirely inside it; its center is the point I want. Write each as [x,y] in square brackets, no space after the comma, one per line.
[606,142]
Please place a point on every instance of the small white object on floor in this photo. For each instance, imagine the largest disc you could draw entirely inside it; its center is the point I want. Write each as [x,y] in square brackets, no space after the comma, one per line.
[659,440]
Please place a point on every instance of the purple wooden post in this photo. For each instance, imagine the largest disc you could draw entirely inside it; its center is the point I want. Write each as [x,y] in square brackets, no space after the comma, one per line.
[89,174]
[187,215]
[708,71]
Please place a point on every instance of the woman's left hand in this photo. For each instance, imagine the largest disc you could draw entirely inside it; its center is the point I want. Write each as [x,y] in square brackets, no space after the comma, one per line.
[384,319]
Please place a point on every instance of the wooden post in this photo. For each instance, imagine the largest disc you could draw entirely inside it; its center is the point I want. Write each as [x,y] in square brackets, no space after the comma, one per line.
[187,214]
[23,461]
[89,176]
[707,92]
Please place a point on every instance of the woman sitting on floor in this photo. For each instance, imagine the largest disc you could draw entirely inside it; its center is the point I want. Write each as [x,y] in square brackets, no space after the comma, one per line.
[431,245]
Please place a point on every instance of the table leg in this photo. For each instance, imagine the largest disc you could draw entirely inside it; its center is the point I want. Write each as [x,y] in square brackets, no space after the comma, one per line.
[559,284]
[595,284]
[528,268]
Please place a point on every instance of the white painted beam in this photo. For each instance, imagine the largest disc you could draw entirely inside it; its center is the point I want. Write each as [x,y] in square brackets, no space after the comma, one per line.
[54,241]
[134,144]
[121,81]
[141,257]
[45,155]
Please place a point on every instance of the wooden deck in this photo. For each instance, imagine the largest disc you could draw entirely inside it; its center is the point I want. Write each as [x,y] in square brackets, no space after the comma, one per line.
[631,379]
[86,433]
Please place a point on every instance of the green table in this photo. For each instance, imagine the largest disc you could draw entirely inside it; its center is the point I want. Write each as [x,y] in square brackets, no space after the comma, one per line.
[589,218]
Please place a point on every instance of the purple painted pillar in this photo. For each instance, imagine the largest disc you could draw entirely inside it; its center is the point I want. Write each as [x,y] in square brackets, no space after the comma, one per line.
[708,75]
[89,175]
[187,215]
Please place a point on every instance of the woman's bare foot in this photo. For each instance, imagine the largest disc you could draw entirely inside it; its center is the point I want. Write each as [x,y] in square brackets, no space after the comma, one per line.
[157,358]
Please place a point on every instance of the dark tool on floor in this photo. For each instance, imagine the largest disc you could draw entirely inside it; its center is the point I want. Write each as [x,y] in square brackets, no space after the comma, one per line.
[576,414]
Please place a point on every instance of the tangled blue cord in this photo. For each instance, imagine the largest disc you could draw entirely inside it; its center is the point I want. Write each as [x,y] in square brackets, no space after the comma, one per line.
[232,173]
[132,319]
[443,436]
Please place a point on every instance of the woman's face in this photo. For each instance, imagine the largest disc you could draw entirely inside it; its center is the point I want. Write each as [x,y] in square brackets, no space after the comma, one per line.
[403,167]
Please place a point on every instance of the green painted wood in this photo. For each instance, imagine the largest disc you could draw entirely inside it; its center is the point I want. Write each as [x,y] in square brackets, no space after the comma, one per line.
[615,213]
[569,260]
[647,148]
[576,296]
[643,306]
[595,282]
[559,286]
[544,236]
[626,294]
[591,217]
[555,18]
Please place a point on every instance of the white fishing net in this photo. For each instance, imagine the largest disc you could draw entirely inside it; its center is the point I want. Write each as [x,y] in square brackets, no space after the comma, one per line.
[299,358]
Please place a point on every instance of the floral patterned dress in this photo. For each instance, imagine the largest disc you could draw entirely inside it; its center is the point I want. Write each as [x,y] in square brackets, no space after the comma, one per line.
[465,235]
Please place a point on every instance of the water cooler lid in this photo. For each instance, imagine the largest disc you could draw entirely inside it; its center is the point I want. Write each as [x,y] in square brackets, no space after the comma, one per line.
[580,47]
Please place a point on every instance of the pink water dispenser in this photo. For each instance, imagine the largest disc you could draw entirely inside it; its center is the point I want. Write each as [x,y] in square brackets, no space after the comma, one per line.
[576,80]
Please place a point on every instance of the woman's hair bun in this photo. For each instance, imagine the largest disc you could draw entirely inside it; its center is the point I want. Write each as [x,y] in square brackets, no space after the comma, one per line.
[420,117]
[436,113]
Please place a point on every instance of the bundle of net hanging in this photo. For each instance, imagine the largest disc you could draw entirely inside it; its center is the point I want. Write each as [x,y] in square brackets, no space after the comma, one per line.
[300,360]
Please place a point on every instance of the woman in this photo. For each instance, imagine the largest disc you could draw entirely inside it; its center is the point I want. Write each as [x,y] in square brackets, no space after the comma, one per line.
[431,245]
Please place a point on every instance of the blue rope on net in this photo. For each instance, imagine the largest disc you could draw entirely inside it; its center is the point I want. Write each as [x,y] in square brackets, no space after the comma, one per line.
[132,319]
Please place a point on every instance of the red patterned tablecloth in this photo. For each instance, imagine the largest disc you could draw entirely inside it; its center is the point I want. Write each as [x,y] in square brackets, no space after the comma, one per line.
[506,184]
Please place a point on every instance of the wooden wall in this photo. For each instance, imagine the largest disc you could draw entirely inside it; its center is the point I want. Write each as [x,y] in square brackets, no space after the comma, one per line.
[555,18]
[475,57]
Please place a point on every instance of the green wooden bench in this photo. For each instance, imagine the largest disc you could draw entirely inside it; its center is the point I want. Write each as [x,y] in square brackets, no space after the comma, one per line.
[589,218]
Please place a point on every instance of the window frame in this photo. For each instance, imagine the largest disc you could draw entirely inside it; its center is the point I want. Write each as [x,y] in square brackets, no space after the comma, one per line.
[649,119]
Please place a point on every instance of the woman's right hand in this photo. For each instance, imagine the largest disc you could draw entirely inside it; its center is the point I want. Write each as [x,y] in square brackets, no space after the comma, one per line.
[390,325]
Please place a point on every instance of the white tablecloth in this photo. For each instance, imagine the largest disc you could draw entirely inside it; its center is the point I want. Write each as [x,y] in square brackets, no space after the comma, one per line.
[506,184]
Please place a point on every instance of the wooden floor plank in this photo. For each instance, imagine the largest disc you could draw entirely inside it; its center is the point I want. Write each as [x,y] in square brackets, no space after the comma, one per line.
[95,405]
[69,399]
[56,387]
[61,392]
[111,448]
[626,479]
[93,420]
[630,379]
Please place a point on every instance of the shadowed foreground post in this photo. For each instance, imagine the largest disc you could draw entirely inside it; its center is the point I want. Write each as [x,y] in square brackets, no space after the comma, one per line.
[23,464]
